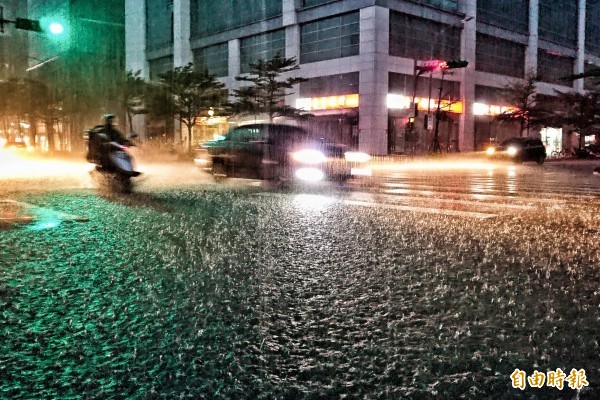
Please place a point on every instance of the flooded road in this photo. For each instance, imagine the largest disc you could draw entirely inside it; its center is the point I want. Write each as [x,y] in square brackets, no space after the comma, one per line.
[415,283]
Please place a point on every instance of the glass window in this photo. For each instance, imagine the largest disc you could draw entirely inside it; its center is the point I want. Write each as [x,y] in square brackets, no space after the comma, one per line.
[264,46]
[159,24]
[244,134]
[330,38]
[208,17]
[404,84]
[331,85]
[159,66]
[558,21]
[421,39]
[214,59]
[445,4]
[592,27]
[552,67]
[512,15]
[309,3]
[490,95]
[499,56]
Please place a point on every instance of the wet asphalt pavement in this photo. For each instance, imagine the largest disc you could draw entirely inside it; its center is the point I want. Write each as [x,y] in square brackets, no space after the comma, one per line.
[420,282]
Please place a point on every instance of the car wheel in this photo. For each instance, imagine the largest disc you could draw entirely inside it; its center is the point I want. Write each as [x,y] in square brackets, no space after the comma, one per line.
[540,160]
[218,172]
[283,177]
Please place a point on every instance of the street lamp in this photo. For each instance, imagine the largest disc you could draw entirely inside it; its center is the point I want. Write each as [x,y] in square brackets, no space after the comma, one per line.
[41,62]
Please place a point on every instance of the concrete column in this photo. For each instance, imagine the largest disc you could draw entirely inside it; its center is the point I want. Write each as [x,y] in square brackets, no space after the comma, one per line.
[288,9]
[292,49]
[374,50]
[135,37]
[182,52]
[466,127]
[135,51]
[531,52]
[580,60]
[233,63]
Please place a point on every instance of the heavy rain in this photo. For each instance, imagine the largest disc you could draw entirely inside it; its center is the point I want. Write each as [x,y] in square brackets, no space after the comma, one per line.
[295,243]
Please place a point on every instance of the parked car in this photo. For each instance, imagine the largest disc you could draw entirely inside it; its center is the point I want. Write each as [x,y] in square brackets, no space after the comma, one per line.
[277,152]
[519,150]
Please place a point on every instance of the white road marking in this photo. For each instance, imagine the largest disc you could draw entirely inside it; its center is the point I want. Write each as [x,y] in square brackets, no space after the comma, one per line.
[428,210]
[375,204]
[436,199]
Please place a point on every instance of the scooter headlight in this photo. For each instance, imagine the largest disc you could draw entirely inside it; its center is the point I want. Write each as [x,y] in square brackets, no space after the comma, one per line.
[309,156]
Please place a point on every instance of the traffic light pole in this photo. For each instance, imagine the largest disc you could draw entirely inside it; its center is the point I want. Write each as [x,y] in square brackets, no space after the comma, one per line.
[435,145]
[409,133]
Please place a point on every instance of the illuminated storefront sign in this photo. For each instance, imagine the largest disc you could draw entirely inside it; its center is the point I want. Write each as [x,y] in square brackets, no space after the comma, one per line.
[485,109]
[328,103]
[399,101]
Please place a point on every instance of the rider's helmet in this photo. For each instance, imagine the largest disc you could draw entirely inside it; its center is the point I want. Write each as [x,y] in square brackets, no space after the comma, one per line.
[109,119]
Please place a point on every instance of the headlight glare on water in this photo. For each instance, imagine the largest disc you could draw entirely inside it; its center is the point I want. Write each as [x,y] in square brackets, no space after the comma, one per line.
[310,174]
[309,156]
[357,156]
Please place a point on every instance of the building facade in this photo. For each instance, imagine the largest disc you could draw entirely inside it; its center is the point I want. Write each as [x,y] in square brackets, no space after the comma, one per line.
[360,56]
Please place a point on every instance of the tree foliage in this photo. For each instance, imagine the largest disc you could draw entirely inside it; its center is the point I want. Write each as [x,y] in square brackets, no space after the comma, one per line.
[25,100]
[581,111]
[525,106]
[268,89]
[133,96]
[192,93]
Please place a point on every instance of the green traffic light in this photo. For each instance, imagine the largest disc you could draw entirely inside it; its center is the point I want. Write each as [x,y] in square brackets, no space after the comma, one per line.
[56,28]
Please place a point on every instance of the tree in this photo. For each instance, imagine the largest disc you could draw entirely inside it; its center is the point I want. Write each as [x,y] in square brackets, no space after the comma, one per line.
[581,111]
[133,96]
[592,73]
[268,90]
[524,105]
[192,92]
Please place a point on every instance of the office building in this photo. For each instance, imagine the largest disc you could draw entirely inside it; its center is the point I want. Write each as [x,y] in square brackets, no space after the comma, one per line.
[360,55]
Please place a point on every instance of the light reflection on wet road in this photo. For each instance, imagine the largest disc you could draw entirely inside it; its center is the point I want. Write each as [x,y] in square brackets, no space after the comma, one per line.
[476,189]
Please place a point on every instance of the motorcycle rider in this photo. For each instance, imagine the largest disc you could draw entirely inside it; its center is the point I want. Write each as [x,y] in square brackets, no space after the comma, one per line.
[112,135]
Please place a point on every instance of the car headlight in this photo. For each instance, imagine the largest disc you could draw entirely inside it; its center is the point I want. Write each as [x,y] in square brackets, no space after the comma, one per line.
[357,156]
[512,151]
[490,151]
[309,156]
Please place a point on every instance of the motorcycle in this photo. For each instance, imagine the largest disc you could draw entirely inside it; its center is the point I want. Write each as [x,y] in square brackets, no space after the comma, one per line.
[113,162]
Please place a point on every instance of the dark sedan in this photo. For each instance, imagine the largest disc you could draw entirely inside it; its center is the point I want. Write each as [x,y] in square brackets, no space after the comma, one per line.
[519,150]
[277,152]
